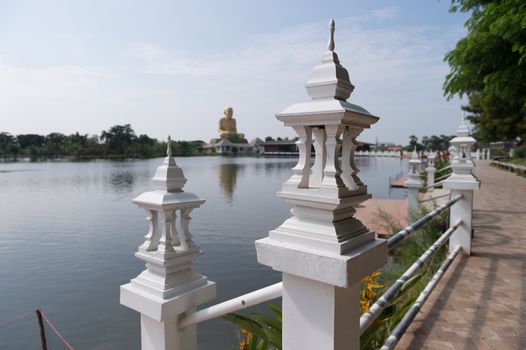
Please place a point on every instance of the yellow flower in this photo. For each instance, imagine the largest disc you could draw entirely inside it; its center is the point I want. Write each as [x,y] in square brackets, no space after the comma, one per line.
[369,290]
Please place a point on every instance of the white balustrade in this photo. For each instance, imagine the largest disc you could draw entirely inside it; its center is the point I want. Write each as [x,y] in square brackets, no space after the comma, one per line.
[413,185]
[461,181]
[169,287]
[431,170]
[322,250]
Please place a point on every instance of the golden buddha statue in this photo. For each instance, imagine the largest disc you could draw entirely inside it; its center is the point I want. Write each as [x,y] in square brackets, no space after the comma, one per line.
[227,127]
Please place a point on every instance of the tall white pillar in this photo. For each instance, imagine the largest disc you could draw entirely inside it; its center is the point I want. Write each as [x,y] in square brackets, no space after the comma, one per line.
[169,287]
[413,185]
[431,170]
[461,181]
[322,250]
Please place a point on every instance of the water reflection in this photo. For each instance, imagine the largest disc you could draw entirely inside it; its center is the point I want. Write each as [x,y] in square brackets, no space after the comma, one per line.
[122,179]
[228,173]
[78,266]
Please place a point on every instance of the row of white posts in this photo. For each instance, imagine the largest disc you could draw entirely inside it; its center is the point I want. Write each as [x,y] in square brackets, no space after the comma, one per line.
[322,250]
[378,153]
[479,154]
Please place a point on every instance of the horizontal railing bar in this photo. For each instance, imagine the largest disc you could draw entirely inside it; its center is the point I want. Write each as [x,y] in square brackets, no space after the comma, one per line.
[441,178]
[436,184]
[376,309]
[246,300]
[443,169]
[402,326]
[400,236]
[433,198]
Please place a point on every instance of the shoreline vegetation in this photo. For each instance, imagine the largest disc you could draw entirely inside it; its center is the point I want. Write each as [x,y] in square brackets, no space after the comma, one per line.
[118,143]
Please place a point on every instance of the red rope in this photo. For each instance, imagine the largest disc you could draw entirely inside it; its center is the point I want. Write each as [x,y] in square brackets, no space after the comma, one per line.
[55,330]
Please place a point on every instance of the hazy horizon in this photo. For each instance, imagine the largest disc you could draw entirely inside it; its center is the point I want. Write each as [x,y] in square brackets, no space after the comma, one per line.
[172,67]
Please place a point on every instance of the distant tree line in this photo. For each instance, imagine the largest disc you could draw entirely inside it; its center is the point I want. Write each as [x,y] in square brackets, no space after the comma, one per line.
[120,141]
[429,143]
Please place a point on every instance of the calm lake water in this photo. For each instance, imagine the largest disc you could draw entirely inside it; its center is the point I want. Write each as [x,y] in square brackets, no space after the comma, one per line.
[68,233]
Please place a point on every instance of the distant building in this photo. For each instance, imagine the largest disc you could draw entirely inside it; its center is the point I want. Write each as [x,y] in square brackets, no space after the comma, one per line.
[225,146]
[288,148]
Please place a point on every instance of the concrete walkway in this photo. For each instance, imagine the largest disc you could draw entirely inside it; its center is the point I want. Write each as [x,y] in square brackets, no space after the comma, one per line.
[481,302]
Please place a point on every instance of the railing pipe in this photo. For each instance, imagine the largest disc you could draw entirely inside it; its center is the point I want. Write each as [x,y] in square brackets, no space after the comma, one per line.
[436,184]
[433,198]
[246,300]
[402,326]
[400,236]
[443,177]
[443,169]
[376,309]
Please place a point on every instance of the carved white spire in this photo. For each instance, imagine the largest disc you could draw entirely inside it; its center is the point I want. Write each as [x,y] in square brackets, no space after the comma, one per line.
[330,45]
[414,164]
[463,129]
[462,143]
[330,80]
[170,285]
[168,243]
[169,176]
[322,245]
[326,192]
[169,147]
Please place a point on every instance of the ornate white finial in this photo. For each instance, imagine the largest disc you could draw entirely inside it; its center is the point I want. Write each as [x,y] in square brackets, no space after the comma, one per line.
[463,129]
[329,80]
[330,45]
[169,147]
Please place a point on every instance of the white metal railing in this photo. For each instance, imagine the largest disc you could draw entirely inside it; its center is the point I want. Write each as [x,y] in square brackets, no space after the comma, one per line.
[436,184]
[402,326]
[443,169]
[434,198]
[235,304]
[376,309]
[400,236]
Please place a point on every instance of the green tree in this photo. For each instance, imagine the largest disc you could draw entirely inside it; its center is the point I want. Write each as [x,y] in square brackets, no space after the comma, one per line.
[55,144]
[119,140]
[8,144]
[413,141]
[489,67]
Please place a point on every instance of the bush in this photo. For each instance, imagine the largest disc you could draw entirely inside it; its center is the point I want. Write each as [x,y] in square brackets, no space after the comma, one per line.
[519,152]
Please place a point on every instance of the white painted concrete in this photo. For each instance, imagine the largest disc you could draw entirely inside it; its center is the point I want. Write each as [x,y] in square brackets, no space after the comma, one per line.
[322,250]
[462,181]
[169,286]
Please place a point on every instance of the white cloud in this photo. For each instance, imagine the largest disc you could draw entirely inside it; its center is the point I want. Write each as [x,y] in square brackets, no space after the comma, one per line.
[398,73]
[386,13]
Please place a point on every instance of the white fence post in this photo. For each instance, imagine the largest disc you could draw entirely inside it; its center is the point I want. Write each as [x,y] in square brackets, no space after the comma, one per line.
[322,250]
[413,185]
[169,286]
[461,181]
[431,169]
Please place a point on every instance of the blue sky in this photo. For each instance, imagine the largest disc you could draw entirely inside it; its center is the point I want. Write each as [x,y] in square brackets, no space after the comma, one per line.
[171,67]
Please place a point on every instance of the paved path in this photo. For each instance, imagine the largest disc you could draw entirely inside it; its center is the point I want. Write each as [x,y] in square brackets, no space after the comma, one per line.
[481,302]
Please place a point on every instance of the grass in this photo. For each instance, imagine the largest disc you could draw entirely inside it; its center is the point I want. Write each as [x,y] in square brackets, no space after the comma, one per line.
[517,161]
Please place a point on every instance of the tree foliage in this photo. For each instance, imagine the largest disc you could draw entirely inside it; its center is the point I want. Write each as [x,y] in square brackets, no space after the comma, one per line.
[429,143]
[489,67]
[120,141]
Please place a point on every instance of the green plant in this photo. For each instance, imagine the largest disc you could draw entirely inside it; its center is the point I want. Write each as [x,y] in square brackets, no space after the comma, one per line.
[260,331]
[519,152]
